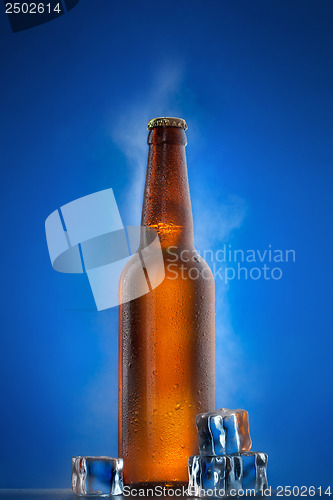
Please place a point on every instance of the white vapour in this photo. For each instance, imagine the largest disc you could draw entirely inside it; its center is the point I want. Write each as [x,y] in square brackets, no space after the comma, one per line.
[217,219]
[130,134]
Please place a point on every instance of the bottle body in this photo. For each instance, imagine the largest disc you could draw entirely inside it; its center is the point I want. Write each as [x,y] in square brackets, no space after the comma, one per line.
[166,337]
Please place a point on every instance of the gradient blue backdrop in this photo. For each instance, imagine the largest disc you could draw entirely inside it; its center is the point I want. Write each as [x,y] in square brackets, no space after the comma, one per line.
[254,81]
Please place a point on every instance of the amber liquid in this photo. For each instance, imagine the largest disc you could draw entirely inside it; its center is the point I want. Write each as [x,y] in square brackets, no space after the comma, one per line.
[166,337]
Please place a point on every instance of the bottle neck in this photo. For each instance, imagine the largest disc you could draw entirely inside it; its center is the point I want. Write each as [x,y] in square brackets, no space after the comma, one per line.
[167,203]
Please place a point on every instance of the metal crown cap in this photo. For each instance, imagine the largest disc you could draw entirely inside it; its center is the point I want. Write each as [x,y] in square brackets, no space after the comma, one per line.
[167,122]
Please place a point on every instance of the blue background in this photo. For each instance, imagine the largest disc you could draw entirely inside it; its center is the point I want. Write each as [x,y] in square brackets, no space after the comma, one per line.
[254,81]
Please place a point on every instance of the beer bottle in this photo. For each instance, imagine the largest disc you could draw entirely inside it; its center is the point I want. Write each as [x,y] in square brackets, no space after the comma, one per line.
[166,337]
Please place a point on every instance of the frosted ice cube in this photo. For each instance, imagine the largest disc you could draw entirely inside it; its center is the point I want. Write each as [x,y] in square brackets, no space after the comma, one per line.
[223,432]
[102,476]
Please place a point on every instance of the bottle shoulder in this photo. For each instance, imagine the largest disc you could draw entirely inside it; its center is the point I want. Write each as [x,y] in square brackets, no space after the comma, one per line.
[166,262]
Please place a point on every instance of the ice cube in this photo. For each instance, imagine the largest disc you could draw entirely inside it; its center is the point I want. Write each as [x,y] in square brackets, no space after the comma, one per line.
[102,476]
[214,471]
[243,471]
[235,473]
[254,471]
[194,475]
[223,432]
[207,473]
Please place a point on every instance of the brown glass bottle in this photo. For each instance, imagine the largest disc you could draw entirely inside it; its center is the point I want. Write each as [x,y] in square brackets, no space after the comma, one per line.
[166,337]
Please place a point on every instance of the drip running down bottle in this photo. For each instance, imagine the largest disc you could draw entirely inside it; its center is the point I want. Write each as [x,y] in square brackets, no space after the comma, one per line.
[166,337]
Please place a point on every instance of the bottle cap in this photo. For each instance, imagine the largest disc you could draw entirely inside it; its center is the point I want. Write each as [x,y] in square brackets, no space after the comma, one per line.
[167,122]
